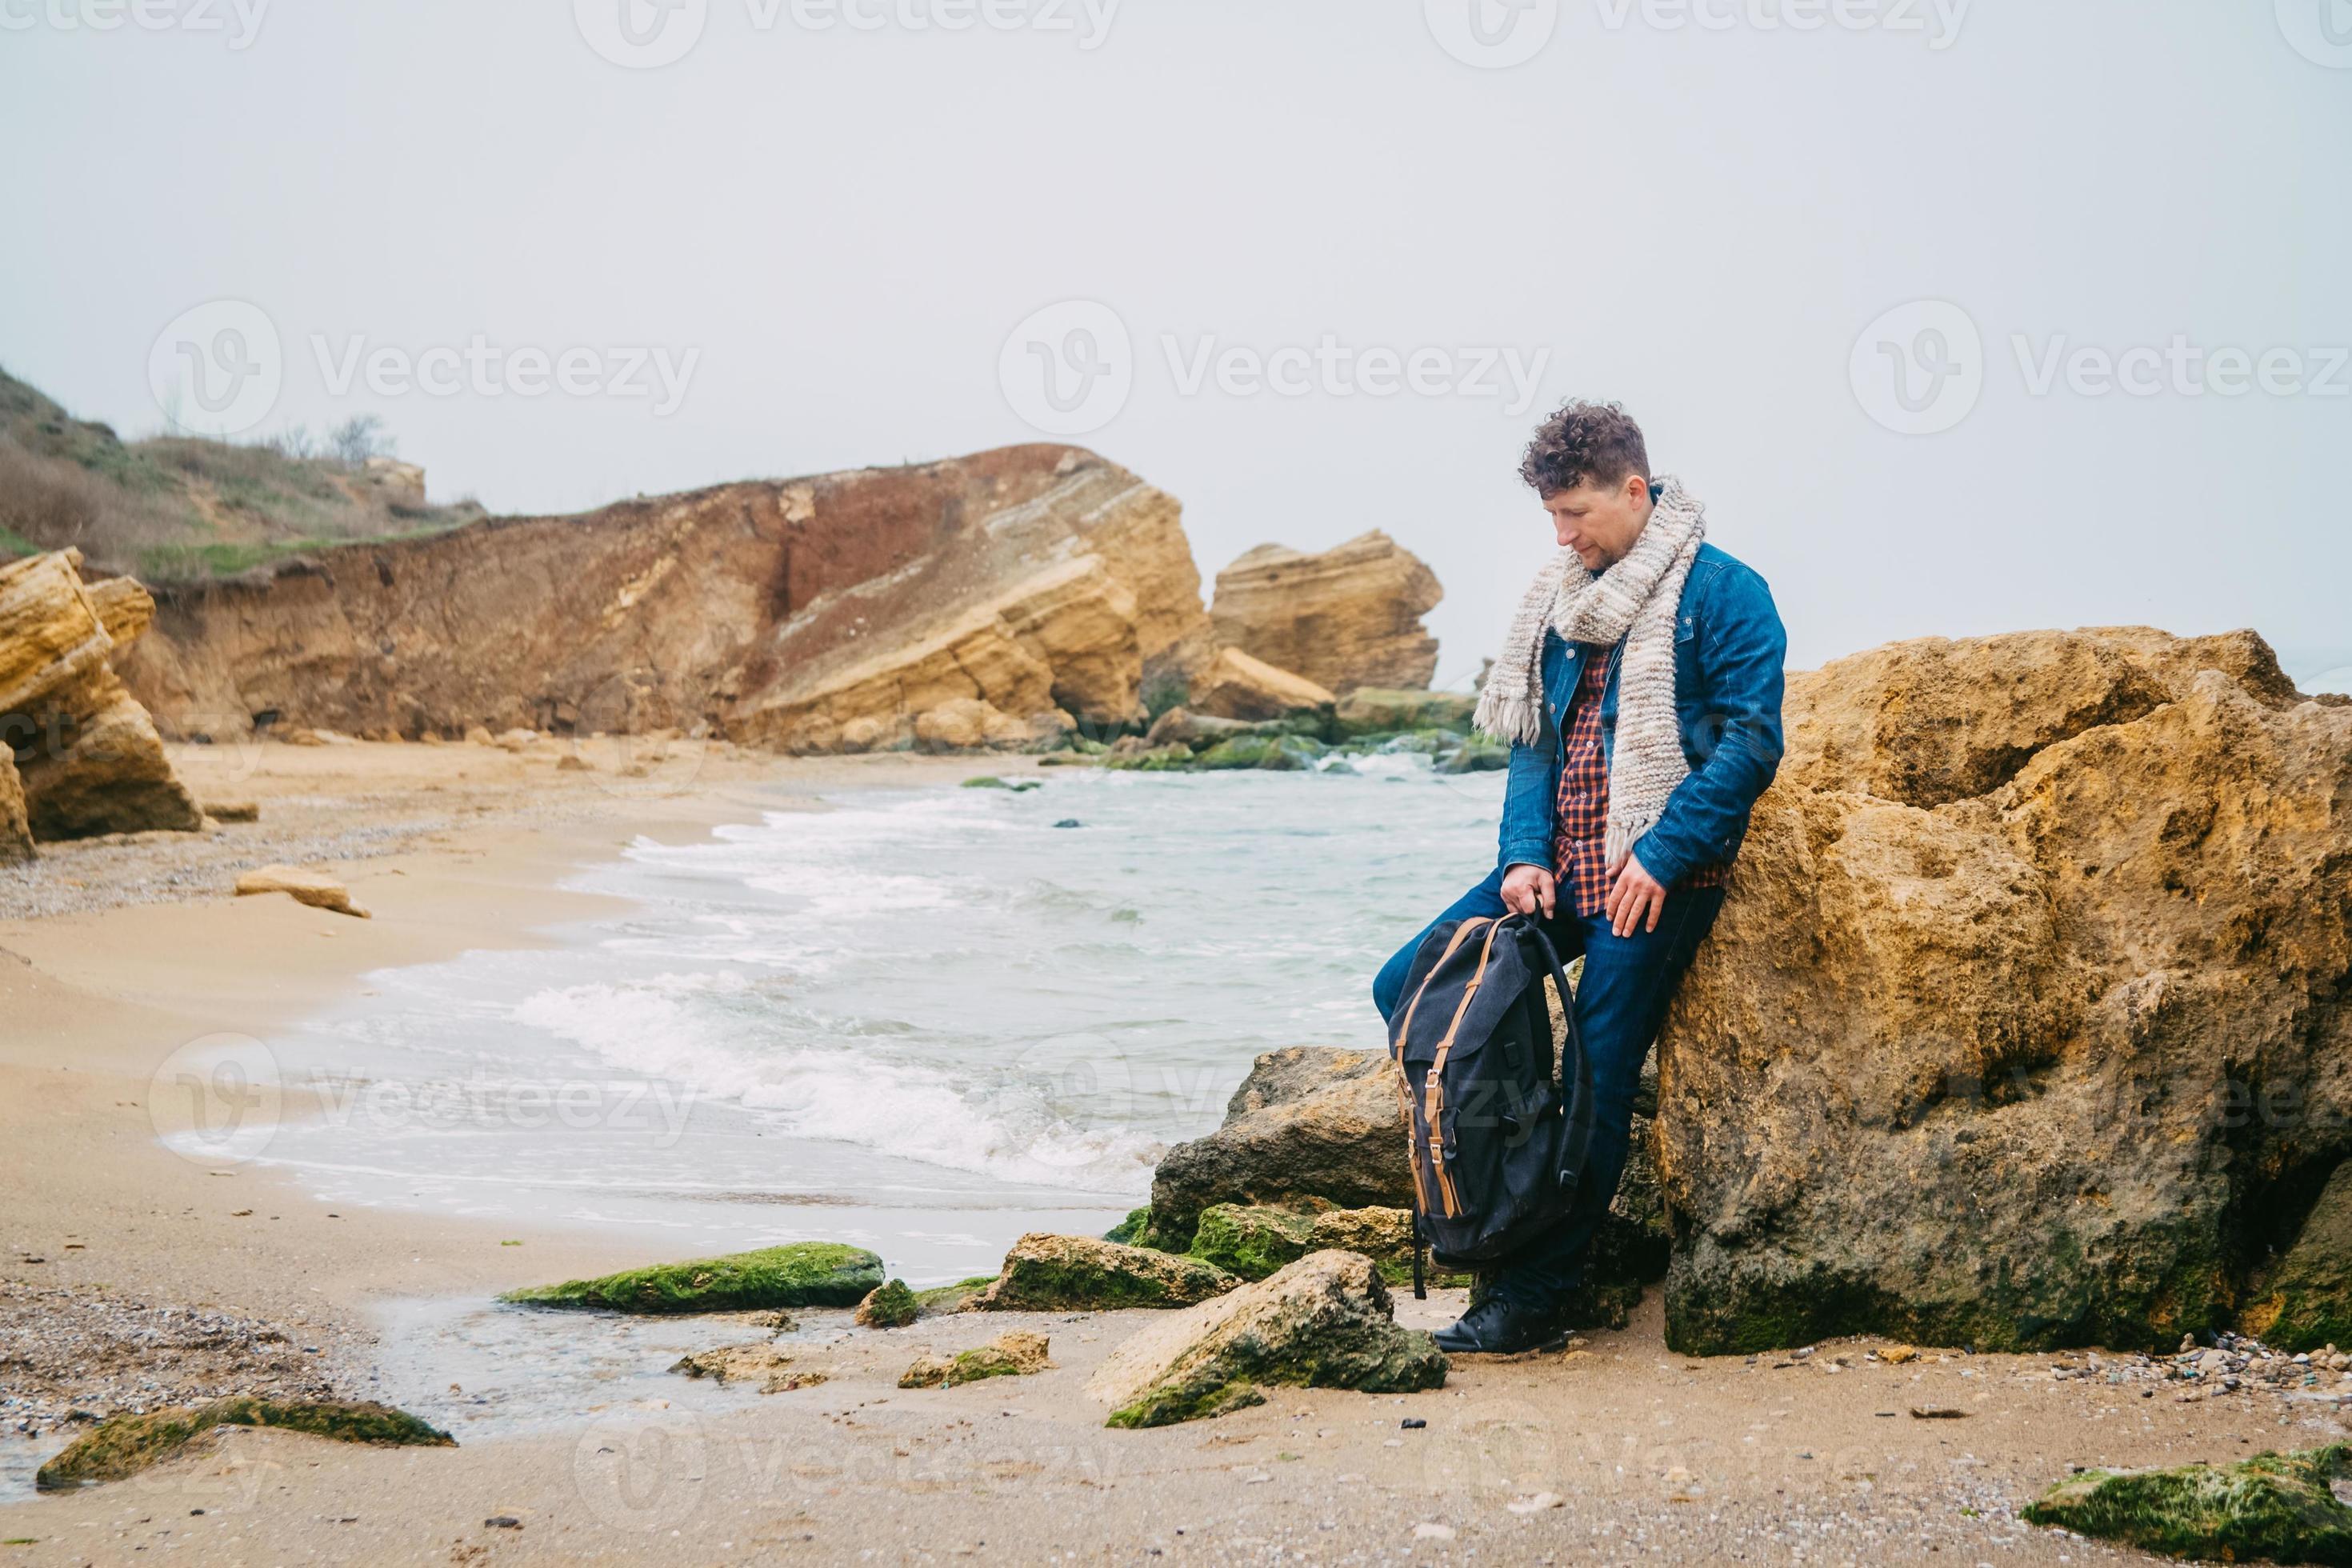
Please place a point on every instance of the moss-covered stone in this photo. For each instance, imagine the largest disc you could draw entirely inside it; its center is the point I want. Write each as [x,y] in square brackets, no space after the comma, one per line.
[989,781]
[963,1296]
[891,1306]
[802,1274]
[1137,1223]
[1324,1322]
[2307,1302]
[1377,710]
[2279,1507]
[1251,1242]
[1277,753]
[1475,757]
[1158,760]
[125,1444]
[1081,1273]
[1012,1354]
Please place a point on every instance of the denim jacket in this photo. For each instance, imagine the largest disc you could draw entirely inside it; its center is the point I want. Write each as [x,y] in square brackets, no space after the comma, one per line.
[1729,648]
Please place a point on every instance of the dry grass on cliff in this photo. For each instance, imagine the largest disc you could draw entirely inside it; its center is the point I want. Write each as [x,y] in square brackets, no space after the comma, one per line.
[177,508]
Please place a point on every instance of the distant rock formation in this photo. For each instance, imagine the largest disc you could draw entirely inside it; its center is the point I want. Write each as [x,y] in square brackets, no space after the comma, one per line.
[1235,686]
[85,758]
[1347,618]
[1014,594]
[2025,1024]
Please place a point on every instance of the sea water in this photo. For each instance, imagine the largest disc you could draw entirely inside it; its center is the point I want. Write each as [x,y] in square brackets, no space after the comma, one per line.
[920,1021]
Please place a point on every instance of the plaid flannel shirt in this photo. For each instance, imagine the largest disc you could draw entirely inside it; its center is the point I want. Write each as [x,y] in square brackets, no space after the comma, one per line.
[1581,825]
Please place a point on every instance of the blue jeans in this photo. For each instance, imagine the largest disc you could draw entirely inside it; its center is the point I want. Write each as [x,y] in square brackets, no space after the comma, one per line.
[1620,1003]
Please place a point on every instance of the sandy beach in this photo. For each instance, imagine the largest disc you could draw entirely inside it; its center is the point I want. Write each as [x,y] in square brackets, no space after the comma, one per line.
[1618,1450]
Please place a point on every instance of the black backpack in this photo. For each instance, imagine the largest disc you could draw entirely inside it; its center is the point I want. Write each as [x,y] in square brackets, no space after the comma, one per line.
[1498,1138]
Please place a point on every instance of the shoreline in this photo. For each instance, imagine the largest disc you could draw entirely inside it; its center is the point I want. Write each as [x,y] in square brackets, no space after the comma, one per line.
[1773,1458]
[101,997]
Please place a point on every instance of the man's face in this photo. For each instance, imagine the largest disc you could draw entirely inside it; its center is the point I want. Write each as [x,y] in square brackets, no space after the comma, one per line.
[1599,523]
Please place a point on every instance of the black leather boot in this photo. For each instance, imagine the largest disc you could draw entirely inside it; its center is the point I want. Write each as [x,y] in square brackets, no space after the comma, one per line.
[1499,1326]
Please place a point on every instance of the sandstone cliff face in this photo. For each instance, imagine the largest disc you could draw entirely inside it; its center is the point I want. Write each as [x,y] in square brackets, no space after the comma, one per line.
[1347,618]
[2025,1022]
[15,833]
[818,614]
[86,760]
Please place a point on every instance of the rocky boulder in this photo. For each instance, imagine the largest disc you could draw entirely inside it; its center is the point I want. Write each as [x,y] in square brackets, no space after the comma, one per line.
[1324,1322]
[1308,1124]
[2023,1023]
[1236,685]
[1374,710]
[1045,1273]
[88,758]
[15,833]
[1320,1133]
[1346,617]
[2306,1303]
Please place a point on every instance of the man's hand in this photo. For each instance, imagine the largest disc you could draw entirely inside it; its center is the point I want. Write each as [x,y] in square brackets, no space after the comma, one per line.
[1635,899]
[1526,888]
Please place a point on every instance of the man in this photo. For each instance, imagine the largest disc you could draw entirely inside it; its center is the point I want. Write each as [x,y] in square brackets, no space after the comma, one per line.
[1641,693]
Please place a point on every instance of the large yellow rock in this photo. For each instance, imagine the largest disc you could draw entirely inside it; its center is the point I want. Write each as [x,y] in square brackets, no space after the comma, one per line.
[86,755]
[15,833]
[1345,617]
[2023,1024]
[1236,685]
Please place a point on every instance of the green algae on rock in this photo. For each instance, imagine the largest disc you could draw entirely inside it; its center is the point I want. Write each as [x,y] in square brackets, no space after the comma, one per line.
[890,1306]
[2281,1507]
[801,1274]
[125,1444]
[1081,1273]
[1013,1353]
[1325,1321]
[963,1296]
[2307,1301]
[1127,1231]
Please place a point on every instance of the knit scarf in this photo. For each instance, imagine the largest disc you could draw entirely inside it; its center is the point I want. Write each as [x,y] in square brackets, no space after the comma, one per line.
[1636,599]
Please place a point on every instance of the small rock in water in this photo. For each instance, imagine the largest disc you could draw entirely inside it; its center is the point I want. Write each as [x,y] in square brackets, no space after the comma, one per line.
[1069,822]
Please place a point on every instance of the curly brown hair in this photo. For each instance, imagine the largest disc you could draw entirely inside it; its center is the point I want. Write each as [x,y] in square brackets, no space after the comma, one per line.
[1596,441]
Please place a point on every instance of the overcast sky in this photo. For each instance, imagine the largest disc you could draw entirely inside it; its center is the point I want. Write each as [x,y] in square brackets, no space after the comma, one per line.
[833,236]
